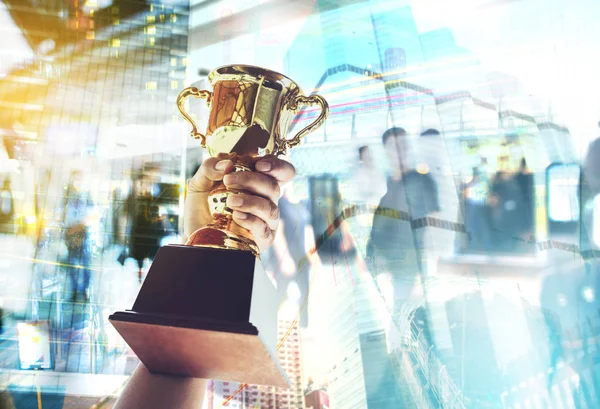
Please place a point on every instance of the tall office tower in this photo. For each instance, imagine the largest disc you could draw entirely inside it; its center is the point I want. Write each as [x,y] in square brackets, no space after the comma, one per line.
[335,31]
[395,28]
[317,399]
[353,348]
[335,52]
[266,397]
[399,52]
[346,374]
[290,356]
[473,345]
[347,34]
[381,383]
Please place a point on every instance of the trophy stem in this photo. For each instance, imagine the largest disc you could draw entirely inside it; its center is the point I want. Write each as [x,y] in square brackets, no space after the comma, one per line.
[224,233]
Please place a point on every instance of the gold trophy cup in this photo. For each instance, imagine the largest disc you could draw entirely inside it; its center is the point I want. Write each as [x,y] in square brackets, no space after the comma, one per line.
[207,309]
[251,110]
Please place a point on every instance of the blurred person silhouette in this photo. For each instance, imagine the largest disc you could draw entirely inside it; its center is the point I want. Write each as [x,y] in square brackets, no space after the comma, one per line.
[7,208]
[477,216]
[507,208]
[430,132]
[366,187]
[432,161]
[393,251]
[287,260]
[6,400]
[368,182]
[525,181]
[429,151]
[590,200]
[146,224]
[43,212]
[78,214]
[117,234]
[591,167]
[484,168]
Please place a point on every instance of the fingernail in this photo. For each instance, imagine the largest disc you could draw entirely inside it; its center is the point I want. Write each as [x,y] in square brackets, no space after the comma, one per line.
[221,165]
[235,200]
[263,166]
[230,179]
[241,215]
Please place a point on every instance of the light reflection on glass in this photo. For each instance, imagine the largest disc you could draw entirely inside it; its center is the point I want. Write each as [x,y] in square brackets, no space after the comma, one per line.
[491,307]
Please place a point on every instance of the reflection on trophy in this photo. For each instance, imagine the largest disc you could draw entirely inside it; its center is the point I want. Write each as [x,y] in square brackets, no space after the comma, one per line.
[207,309]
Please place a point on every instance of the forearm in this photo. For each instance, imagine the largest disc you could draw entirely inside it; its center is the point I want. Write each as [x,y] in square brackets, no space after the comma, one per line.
[152,391]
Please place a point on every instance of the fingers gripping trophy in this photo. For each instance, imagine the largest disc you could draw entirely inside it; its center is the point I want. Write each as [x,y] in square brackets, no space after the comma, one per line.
[207,309]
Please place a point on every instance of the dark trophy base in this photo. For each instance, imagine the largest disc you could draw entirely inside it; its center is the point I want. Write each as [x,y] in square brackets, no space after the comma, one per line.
[205,313]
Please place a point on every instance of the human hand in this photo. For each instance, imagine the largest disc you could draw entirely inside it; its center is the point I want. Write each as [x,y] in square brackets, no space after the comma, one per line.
[256,209]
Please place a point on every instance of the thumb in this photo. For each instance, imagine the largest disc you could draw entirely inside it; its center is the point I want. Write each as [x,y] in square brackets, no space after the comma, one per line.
[211,172]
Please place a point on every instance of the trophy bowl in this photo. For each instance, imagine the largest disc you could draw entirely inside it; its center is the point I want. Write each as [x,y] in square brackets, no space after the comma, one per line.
[251,110]
[207,309]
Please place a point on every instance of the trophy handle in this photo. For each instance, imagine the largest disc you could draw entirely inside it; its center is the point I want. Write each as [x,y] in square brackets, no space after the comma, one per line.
[309,101]
[196,93]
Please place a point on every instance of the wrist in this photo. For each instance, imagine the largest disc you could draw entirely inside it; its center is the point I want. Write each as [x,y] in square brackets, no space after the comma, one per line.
[153,391]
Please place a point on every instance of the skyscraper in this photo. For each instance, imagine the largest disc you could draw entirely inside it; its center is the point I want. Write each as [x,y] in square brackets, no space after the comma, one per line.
[317,399]
[350,321]
[267,397]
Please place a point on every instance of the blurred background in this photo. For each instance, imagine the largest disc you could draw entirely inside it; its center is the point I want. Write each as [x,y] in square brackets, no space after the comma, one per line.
[452,263]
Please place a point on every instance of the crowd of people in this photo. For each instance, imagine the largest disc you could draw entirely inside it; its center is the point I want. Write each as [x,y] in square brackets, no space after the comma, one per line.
[87,228]
[499,208]
[493,211]
[395,250]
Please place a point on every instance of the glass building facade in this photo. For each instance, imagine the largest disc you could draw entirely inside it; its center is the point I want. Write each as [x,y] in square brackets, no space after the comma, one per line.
[453,267]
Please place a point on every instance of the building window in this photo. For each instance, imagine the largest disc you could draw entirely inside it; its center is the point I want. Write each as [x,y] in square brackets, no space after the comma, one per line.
[115,42]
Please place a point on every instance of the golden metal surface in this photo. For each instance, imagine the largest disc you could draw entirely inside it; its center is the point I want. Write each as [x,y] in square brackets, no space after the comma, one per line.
[295,106]
[251,110]
[223,232]
[182,97]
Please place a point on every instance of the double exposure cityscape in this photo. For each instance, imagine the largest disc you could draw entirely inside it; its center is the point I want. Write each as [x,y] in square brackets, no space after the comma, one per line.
[437,247]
